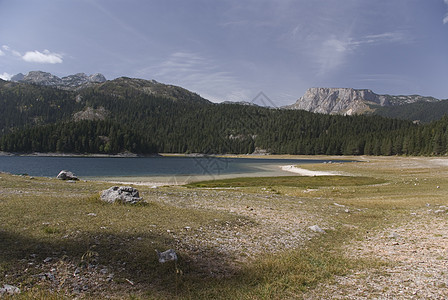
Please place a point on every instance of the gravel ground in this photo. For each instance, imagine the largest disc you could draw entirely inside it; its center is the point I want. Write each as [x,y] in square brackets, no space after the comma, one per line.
[418,254]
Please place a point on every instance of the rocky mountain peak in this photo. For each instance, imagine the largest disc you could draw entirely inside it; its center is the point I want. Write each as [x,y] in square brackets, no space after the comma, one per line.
[349,101]
[81,78]
[42,78]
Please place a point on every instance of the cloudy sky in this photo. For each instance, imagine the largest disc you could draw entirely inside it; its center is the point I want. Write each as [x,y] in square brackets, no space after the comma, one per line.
[234,49]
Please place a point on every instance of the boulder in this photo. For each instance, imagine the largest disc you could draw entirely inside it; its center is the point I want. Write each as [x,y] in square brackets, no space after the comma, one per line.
[66,175]
[121,194]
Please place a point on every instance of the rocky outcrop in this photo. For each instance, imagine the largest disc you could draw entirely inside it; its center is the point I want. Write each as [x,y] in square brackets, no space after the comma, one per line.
[91,114]
[121,194]
[68,82]
[348,101]
[81,79]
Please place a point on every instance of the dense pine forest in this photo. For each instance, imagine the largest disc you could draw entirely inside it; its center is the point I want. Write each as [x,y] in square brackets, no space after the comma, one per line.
[42,119]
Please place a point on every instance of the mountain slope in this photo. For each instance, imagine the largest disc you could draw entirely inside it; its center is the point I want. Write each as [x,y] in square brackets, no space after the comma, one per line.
[125,87]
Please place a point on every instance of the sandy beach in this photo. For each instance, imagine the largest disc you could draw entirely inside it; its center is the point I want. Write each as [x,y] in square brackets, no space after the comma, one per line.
[265,171]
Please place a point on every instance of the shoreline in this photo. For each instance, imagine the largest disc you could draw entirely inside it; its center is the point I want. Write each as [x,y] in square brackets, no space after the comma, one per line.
[94,155]
[306,172]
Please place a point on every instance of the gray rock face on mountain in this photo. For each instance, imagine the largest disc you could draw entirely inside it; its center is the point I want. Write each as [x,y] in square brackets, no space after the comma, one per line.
[18,77]
[68,82]
[82,78]
[42,78]
[90,113]
[348,101]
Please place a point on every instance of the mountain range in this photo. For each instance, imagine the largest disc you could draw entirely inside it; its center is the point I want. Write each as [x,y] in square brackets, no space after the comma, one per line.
[343,101]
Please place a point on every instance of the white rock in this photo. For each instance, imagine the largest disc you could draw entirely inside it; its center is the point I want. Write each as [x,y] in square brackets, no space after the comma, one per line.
[9,289]
[121,194]
[66,175]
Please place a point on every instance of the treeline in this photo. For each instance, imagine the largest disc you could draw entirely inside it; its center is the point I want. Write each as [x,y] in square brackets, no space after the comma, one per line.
[76,137]
[142,123]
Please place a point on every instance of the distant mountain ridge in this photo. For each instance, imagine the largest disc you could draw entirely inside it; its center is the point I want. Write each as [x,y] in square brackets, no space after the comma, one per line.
[349,101]
[67,82]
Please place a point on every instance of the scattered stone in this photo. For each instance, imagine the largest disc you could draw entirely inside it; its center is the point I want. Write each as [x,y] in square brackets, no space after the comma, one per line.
[393,235]
[9,289]
[92,214]
[121,194]
[340,205]
[168,255]
[66,175]
[316,228]
[439,211]
[48,259]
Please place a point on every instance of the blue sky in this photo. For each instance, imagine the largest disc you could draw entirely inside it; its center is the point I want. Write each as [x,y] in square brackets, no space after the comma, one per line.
[234,49]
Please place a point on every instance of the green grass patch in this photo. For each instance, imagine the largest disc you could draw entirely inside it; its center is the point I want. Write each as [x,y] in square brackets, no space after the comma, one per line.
[290,181]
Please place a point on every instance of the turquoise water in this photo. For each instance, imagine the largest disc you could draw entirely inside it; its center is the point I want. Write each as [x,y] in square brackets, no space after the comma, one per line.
[139,166]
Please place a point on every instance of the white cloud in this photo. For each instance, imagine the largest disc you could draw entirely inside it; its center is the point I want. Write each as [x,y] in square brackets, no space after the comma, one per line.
[2,53]
[46,57]
[7,49]
[334,51]
[5,76]
[445,19]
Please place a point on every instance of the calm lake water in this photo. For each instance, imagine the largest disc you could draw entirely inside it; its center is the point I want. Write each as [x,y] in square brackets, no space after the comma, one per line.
[95,167]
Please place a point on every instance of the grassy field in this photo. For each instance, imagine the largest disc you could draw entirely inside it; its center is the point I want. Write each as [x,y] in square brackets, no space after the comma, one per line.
[245,238]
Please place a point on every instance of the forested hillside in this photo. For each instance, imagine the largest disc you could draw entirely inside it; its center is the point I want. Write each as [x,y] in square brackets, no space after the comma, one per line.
[40,119]
[425,112]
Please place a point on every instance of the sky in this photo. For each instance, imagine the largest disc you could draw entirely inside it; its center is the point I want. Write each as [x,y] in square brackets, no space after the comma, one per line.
[231,50]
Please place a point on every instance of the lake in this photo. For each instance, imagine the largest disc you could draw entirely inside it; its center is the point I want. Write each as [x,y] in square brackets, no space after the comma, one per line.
[125,169]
